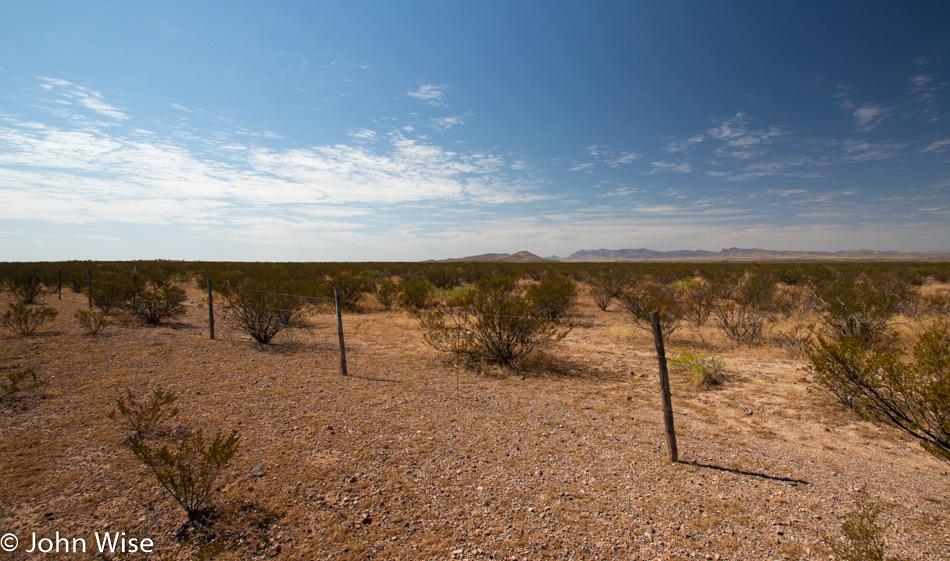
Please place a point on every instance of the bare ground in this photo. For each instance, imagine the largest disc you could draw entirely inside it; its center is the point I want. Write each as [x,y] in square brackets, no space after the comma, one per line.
[410,457]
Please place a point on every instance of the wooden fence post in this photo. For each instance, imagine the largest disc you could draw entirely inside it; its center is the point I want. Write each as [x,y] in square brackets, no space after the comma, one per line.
[59,284]
[664,387]
[339,328]
[89,286]
[210,310]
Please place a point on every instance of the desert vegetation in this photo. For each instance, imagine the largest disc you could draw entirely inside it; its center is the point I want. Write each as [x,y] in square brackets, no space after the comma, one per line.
[492,411]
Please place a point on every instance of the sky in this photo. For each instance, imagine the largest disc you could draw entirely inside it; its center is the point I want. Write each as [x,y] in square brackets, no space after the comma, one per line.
[404,131]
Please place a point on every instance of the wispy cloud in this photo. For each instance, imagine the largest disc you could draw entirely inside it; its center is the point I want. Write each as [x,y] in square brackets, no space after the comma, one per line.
[682,167]
[433,94]
[82,95]
[938,146]
[741,142]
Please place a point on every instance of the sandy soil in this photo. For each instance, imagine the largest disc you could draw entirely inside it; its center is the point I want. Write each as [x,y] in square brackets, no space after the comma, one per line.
[410,457]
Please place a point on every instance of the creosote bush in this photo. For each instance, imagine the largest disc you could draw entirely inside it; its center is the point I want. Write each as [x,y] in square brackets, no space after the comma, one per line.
[263,314]
[189,471]
[416,295]
[607,286]
[159,302]
[645,297]
[872,379]
[27,292]
[91,321]
[863,538]
[555,296]
[387,293]
[19,381]
[496,322]
[24,321]
[142,416]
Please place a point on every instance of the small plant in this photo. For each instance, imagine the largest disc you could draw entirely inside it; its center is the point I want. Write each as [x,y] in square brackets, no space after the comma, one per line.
[92,322]
[24,321]
[863,538]
[706,370]
[161,301]
[188,472]
[142,417]
[15,382]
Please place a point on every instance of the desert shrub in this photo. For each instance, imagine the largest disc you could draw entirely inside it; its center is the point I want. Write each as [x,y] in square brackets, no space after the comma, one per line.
[863,538]
[699,299]
[606,286]
[351,287]
[862,306]
[555,296]
[705,370]
[109,296]
[496,322]
[189,471]
[27,292]
[92,322]
[19,381]
[416,295]
[263,314]
[742,325]
[387,293]
[159,302]
[444,278]
[24,321]
[795,338]
[78,284]
[873,380]
[142,416]
[646,297]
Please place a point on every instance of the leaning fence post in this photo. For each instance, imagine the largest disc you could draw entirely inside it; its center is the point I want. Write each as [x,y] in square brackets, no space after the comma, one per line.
[210,310]
[664,387]
[339,328]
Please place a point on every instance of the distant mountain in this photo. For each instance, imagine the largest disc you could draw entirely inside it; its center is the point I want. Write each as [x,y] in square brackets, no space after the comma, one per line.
[737,254]
[520,257]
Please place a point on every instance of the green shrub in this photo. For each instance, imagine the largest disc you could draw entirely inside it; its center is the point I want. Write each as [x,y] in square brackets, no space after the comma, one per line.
[496,322]
[188,472]
[92,322]
[263,314]
[142,416]
[555,296]
[27,292]
[109,296]
[645,297]
[705,370]
[159,302]
[387,293]
[351,288]
[863,306]
[873,380]
[416,295]
[24,321]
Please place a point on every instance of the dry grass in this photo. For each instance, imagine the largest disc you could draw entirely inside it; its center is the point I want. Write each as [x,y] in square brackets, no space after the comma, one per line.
[411,457]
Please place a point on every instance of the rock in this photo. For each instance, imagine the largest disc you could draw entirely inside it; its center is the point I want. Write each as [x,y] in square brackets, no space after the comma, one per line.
[258,470]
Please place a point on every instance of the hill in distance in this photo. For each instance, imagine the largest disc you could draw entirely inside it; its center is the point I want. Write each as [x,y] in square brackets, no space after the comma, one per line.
[733,254]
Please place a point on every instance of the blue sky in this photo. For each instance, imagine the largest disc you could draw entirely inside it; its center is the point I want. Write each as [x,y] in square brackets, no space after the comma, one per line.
[351,131]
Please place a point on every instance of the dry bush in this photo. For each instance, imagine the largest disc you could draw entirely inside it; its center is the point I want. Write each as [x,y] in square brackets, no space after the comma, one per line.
[606,286]
[741,324]
[19,381]
[863,538]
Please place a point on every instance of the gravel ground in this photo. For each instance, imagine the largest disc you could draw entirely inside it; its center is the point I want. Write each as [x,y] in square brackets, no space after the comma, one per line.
[410,457]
